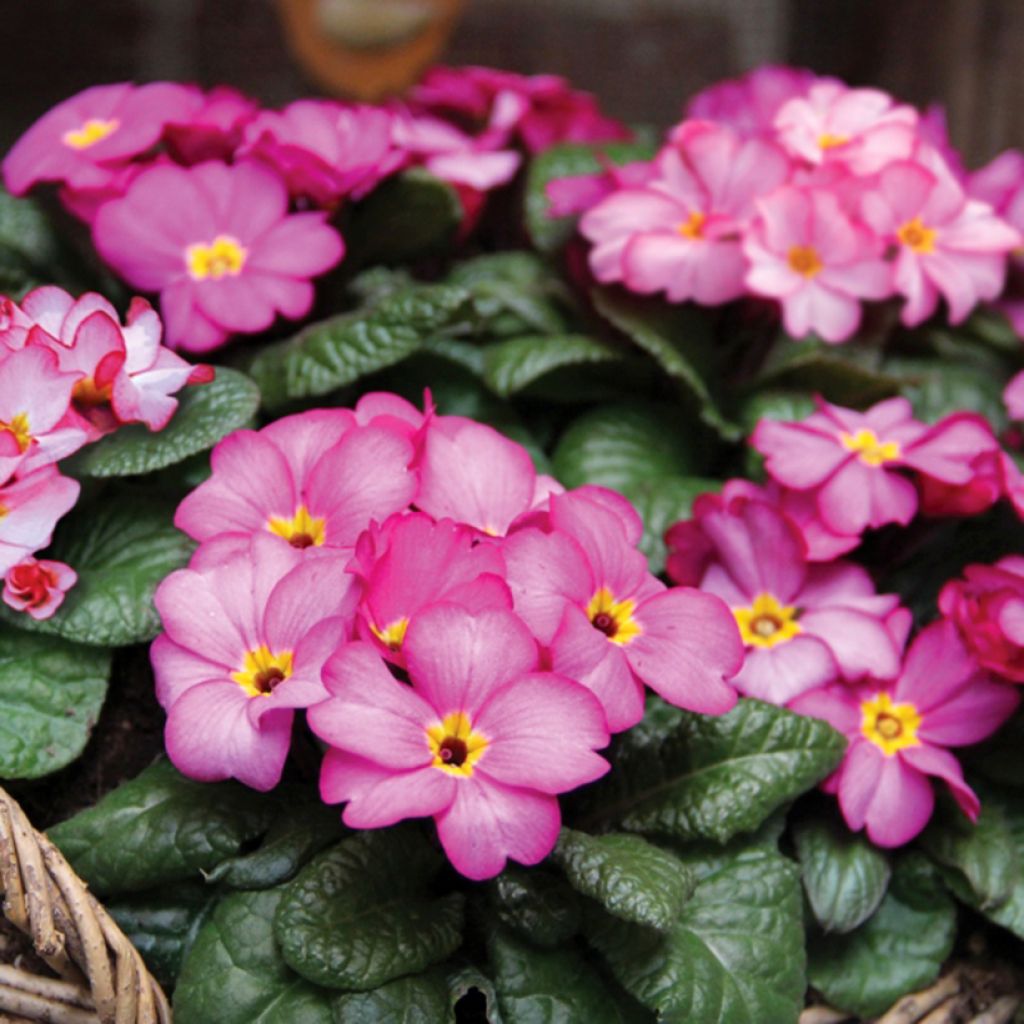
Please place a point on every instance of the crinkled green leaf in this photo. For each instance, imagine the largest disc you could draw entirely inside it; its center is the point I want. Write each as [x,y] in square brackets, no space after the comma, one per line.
[537,904]
[25,230]
[160,827]
[51,693]
[553,986]
[414,999]
[234,973]
[631,878]
[693,776]
[205,414]
[470,989]
[736,952]
[899,949]
[514,364]
[338,351]
[121,544]
[845,877]
[938,387]
[361,914]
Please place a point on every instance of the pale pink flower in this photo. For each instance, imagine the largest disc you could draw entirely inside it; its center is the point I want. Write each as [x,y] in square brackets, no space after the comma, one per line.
[38,587]
[480,740]
[30,506]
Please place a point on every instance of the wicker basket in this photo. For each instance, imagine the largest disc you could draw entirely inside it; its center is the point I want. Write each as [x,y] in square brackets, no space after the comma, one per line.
[77,967]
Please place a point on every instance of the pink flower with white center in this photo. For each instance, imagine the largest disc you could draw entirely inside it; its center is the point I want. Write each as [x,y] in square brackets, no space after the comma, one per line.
[481,741]
[681,233]
[818,262]
[219,245]
[410,563]
[987,606]
[15,326]
[214,126]
[861,128]
[899,733]
[82,141]
[247,632]
[315,479]
[38,587]
[30,506]
[323,150]
[35,399]
[946,243]
[587,595]
[848,459]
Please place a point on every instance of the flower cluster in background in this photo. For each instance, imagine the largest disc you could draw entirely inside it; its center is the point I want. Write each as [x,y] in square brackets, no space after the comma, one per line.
[800,189]
[465,632]
[224,209]
[70,373]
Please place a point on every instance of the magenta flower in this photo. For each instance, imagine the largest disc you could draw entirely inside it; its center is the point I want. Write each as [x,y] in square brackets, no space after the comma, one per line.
[30,506]
[38,588]
[946,244]
[213,127]
[481,741]
[219,245]
[577,193]
[587,595]
[848,459]
[247,631]
[818,262]
[899,733]
[82,141]
[329,478]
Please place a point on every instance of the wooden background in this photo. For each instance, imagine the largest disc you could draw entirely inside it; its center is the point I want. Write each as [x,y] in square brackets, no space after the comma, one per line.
[642,57]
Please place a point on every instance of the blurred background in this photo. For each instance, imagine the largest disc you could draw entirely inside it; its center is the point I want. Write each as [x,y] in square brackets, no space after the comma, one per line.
[643,58]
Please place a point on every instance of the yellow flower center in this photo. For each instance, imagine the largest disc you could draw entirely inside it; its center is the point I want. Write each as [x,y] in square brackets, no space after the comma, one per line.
[19,428]
[454,744]
[889,726]
[613,618]
[392,635]
[301,531]
[224,255]
[88,394]
[767,622]
[804,259]
[916,236]
[871,451]
[829,141]
[693,226]
[90,133]
[262,670]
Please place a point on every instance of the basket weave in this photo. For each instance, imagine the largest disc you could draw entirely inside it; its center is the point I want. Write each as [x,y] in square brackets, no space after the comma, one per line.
[98,976]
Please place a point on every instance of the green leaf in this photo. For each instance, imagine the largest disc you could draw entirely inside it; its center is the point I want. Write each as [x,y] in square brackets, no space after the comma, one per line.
[50,699]
[121,544]
[735,954]
[29,247]
[938,387]
[512,365]
[692,776]
[329,354]
[234,973]
[632,878]
[361,915]
[205,414]
[470,989]
[551,233]
[844,876]
[415,999]
[552,986]
[900,949]
[160,827]
[537,904]
[407,217]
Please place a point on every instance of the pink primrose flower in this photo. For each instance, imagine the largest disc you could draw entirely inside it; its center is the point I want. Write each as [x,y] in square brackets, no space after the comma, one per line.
[1013,397]
[987,606]
[219,245]
[579,192]
[993,476]
[946,243]
[818,262]
[481,740]
[30,506]
[83,140]
[586,593]
[898,734]
[848,459]
[314,479]
[247,632]
[803,625]
[213,127]
[38,588]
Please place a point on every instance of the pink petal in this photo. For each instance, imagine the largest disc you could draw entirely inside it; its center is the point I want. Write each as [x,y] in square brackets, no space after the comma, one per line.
[901,804]
[973,714]
[798,456]
[781,673]
[936,666]
[860,643]
[836,704]
[859,496]
[859,776]
[943,765]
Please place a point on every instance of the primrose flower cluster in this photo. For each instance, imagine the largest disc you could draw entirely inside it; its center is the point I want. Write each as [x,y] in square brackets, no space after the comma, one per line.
[802,190]
[463,633]
[818,637]
[223,208]
[70,373]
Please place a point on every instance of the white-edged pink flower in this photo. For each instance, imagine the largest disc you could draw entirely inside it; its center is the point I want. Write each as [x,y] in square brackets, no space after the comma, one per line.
[30,506]
[38,588]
